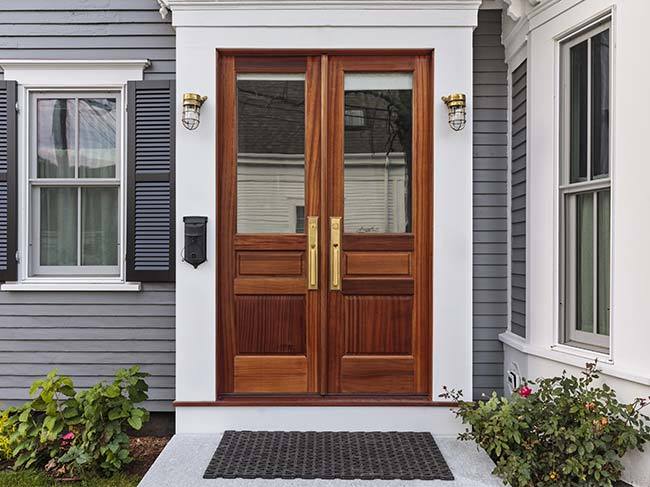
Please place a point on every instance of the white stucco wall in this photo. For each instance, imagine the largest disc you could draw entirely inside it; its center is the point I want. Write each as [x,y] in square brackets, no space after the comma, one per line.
[627,366]
[444,26]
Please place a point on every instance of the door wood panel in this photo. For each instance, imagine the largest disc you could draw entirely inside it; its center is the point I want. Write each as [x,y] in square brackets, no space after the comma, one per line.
[274,335]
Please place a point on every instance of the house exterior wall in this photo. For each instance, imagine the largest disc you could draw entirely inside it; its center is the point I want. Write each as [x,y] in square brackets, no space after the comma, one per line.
[201,31]
[625,367]
[490,162]
[77,29]
[88,335]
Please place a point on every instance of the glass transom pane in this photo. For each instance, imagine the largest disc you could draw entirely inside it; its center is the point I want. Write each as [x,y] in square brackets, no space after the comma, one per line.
[271,153]
[377,173]
[55,137]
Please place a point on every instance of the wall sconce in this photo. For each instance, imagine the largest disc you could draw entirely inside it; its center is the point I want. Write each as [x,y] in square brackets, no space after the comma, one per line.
[456,105]
[192,110]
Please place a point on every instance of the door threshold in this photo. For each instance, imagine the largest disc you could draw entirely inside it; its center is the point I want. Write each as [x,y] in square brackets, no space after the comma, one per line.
[315,400]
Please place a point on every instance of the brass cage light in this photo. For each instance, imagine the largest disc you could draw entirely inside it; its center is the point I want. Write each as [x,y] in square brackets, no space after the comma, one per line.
[456,104]
[192,110]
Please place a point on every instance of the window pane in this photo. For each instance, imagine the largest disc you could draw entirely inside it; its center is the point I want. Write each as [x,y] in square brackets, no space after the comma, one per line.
[99,224]
[58,226]
[378,152]
[600,104]
[585,262]
[55,139]
[603,261]
[271,152]
[97,137]
[578,113]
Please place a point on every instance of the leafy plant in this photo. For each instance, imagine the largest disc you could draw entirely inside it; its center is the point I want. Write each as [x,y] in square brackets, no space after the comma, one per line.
[6,429]
[563,431]
[71,432]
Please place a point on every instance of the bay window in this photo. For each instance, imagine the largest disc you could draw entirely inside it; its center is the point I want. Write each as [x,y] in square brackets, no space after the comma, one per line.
[585,189]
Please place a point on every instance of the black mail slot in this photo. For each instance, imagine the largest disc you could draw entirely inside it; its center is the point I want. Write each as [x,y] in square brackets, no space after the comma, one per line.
[195,250]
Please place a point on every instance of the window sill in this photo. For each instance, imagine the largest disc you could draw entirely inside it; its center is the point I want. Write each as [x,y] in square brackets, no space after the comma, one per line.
[576,357]
[71,286]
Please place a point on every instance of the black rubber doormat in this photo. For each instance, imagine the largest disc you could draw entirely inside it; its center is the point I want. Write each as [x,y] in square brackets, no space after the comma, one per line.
[328,455]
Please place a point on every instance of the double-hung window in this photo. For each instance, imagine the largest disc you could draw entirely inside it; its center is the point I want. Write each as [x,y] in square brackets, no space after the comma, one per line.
[585,188]
[74,188]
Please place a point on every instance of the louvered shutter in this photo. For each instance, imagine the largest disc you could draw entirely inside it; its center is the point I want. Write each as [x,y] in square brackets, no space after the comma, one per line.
[8,188]
[151,165]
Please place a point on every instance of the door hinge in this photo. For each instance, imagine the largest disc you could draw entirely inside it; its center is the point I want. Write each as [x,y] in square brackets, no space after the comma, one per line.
[18,256]
[17,108]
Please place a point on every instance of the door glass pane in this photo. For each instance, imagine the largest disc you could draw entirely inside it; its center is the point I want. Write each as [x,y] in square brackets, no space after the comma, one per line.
[55,139]
[58,226]
[378,135]
[578,113]
[585,262]
[97,137]
[603,261]
[99,226]
[271,152]
[600,104]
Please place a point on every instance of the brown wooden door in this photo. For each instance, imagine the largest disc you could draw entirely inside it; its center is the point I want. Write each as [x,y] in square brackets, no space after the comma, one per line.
[340,144]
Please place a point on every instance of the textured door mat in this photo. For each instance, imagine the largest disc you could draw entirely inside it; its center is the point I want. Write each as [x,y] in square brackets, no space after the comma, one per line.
[328,455]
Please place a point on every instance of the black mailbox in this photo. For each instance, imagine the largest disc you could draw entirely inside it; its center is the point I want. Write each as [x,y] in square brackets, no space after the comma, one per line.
[195,240]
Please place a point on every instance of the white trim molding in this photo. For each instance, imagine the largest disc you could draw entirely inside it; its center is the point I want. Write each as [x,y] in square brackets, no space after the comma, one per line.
[73,72]
[70,285]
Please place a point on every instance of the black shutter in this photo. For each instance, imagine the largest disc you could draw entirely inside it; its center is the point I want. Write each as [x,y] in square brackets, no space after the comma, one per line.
[8,182]
[150,179]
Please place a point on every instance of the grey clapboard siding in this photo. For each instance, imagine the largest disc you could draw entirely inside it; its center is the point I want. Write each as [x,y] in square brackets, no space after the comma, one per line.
[490,266]
[88,335]
[518,202]
[83,29]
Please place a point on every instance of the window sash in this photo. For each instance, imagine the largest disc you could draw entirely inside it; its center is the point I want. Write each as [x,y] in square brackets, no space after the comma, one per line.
[35,183]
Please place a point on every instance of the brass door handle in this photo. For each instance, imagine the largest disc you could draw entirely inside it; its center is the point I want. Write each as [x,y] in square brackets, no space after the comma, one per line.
[312,252]
[335,253]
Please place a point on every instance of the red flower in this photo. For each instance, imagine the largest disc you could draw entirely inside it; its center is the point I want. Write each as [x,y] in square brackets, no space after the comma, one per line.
[525,391]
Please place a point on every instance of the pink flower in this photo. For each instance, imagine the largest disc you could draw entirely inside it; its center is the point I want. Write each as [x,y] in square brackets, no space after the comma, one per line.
[67,439]
[525,391]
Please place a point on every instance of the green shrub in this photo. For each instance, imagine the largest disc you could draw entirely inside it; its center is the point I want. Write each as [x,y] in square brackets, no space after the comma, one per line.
[6,429]
[562,431]
[70,432]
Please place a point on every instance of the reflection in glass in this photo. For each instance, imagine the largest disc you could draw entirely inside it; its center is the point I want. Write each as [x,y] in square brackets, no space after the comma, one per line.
[55,139]
[271,153]
[578,113]
[378,134]
[603,261]
[585,262]
[97,137]
[99,226]
[58,226]
[600,104]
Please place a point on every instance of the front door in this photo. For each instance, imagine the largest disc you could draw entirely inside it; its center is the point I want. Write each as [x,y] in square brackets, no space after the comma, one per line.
[325,229]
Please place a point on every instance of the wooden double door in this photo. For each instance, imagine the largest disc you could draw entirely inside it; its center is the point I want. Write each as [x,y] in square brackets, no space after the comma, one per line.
[325,228]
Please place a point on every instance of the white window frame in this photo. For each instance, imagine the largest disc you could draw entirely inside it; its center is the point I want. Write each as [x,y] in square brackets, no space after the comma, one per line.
[567,194]
[38,75]
[34,185]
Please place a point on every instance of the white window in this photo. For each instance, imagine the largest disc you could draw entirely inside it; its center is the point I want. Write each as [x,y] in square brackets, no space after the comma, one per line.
[585,188]
[75,183]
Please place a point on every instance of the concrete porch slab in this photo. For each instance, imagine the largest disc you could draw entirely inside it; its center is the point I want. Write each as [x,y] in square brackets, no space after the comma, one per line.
[186,456]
